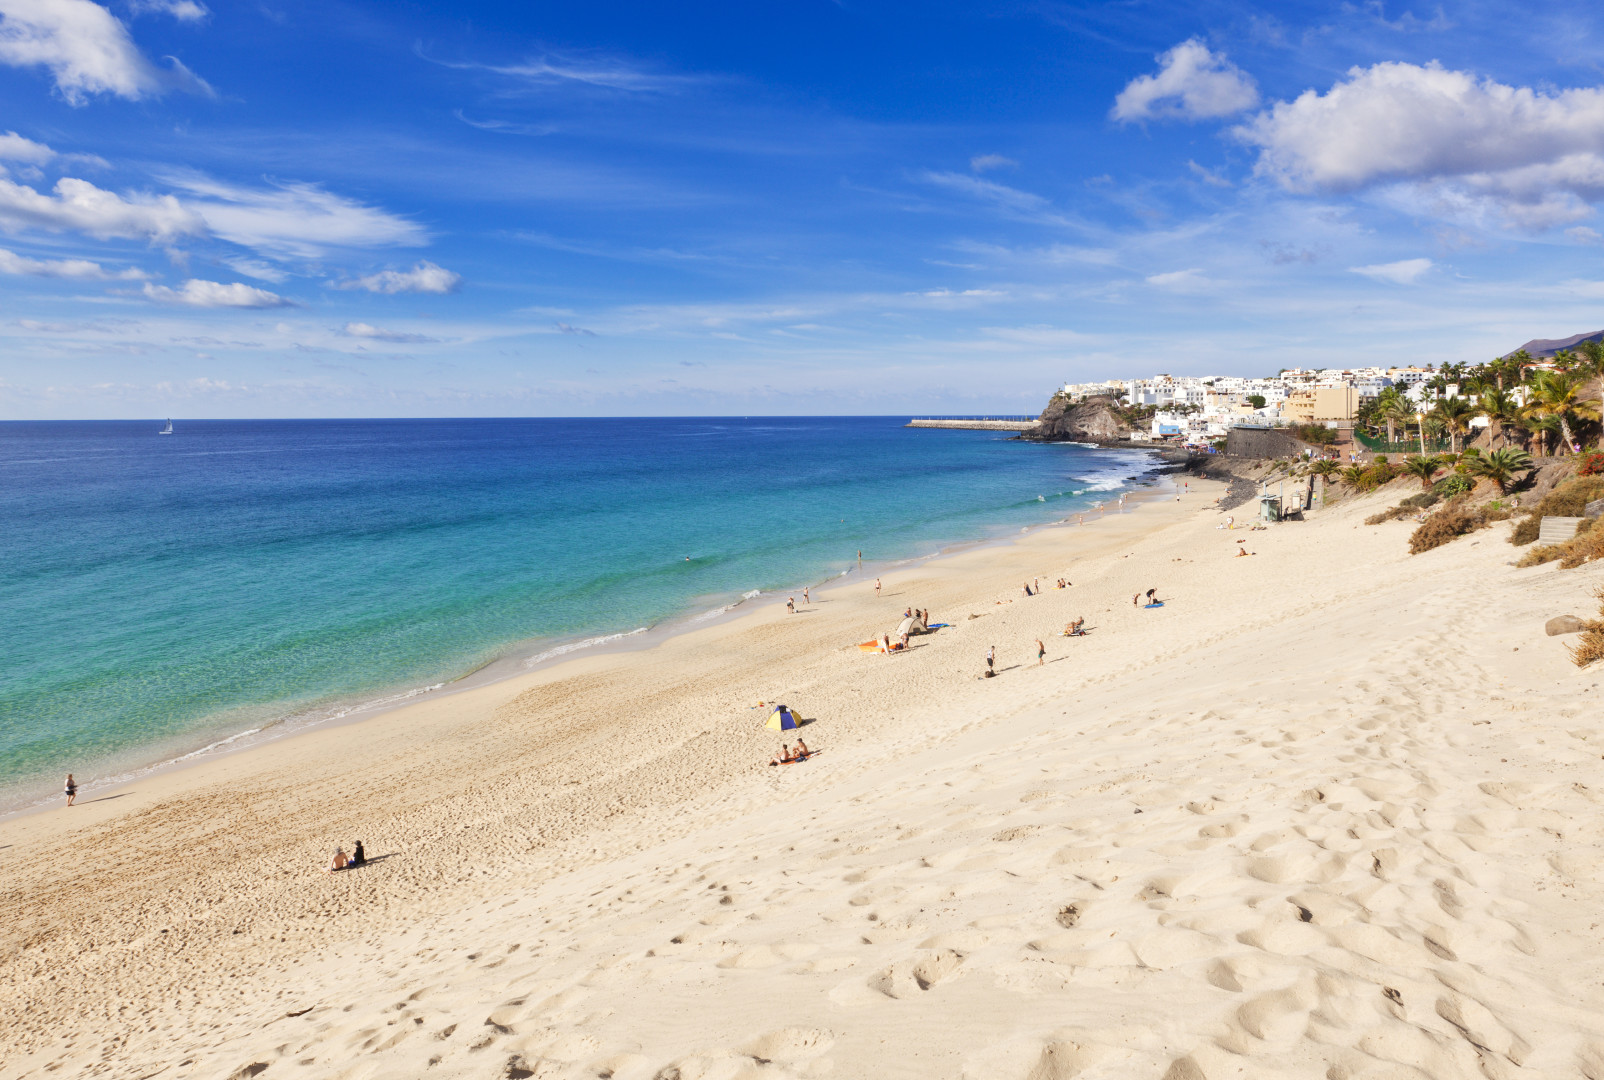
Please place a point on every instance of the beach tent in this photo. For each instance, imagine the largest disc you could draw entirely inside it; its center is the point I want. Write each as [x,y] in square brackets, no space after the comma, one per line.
[782,719]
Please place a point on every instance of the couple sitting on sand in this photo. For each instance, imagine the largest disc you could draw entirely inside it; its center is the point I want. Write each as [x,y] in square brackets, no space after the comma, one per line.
[342,861]
[786,757]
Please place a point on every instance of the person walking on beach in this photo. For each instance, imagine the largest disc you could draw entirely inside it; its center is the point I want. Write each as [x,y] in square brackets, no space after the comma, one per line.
[805,598]
[790,605]
[877,586]
[71,789]
[991,658]
[1041,653]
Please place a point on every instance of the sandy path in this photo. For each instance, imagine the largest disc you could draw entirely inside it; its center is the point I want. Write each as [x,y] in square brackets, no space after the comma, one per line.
[1315,817]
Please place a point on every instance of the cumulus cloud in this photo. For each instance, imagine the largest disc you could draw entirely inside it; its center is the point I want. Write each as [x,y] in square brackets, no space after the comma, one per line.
[81,206]
[374,333]
[1404,272]
[216,294]
[426,277]
[73,269]
[1192,84]
[293,220]
[87,51]
[14,147]
[986,162]
[1448,141]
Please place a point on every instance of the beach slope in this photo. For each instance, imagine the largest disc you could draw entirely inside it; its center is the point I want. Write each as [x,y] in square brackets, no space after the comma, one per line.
[1332,810]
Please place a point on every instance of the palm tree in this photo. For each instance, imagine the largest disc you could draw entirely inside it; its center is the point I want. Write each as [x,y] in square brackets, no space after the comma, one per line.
[1391,408]
[1455,414]
[1592,358]
[1353,476]
[1541,428]
[1501,409]
[1324,468]
[1500,466]
[1559,394]
[1424,467]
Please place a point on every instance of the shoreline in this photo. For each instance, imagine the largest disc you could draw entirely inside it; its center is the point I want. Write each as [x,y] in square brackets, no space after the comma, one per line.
[509,665]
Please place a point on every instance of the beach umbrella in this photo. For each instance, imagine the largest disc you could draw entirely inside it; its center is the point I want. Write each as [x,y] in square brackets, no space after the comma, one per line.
[782,719]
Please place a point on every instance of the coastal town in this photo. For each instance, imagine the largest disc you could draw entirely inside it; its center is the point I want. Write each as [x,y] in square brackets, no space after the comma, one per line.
[1200,410]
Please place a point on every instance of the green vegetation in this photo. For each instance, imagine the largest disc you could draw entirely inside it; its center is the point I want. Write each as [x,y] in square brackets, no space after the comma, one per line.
[1538,406]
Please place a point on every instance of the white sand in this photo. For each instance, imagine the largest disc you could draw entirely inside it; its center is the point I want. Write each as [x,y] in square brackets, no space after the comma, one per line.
[1334,811]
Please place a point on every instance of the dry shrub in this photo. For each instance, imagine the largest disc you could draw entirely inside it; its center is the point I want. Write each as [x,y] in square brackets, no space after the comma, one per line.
[1408,508]
[1590,646]
[1451,522]
[1569,499]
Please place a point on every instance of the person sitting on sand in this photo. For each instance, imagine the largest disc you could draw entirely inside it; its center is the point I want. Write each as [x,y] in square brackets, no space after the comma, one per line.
[1026,588]
[340,861]
[790,605]
[358,856]
[1076,628]
[902,642]
[885,642]
[802,751]
[783,757]
[907,613]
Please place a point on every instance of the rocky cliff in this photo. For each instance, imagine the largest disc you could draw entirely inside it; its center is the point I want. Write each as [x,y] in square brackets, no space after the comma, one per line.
[1095,420]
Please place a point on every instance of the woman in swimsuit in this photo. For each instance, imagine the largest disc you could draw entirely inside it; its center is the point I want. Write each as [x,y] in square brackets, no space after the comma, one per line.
[71,789]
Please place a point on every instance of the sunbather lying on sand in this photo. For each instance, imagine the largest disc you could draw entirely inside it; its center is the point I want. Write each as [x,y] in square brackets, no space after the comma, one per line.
[1074,629]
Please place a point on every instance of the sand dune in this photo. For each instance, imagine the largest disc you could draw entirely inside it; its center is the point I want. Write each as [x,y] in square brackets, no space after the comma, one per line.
[1333,811]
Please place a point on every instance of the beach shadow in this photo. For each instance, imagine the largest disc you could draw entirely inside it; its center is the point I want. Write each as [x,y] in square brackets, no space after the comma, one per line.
[108,798]
[1010,667]
[802,611]
[371,860]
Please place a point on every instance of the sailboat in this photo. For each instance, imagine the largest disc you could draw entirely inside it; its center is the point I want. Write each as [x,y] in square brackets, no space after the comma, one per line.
[168,430]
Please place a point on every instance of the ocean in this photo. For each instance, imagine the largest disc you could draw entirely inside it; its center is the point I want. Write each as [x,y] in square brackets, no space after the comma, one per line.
[163,596]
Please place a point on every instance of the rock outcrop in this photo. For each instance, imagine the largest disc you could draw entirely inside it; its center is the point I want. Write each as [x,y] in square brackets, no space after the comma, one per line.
[1095,420]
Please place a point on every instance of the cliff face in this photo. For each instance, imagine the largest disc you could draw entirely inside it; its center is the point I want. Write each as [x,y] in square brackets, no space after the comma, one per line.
[1093,420]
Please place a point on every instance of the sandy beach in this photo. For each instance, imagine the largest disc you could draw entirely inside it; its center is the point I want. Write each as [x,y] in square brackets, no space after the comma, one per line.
[1332,811]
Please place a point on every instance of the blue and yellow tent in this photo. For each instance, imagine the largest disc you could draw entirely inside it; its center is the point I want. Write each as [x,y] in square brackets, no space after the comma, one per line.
[783,719]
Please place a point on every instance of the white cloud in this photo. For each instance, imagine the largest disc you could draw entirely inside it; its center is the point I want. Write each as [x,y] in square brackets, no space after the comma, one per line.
[86,49]
[986,162]
[293,220]
[1451,144]
[257,269]
[216,294]
[1208,176]
[426,277]
[74,269]
[374,333]
[81,206]
[14,147]
[1583,235]
[1404,272]
[1192,84]
[611,74]
[182,10]
[1179,279]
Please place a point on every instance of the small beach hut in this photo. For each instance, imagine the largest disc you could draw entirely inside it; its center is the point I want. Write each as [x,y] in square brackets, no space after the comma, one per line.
[782,719]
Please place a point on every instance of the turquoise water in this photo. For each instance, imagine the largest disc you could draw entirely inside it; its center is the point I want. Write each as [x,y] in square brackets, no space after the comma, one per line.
[161,593]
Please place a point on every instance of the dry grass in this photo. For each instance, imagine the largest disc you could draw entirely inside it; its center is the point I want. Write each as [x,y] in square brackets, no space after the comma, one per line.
[1569,499]
[1585,546]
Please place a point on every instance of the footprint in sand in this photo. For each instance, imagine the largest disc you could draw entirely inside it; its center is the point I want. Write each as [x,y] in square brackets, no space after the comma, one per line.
[911,978]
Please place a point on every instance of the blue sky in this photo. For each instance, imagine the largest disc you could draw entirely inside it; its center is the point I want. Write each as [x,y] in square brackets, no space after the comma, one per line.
[298,209]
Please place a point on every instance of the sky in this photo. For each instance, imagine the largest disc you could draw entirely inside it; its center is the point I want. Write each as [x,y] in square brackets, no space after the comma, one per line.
[287,209]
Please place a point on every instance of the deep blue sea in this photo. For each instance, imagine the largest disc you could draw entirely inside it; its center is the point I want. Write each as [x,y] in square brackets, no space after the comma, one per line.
[160,594]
